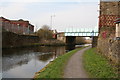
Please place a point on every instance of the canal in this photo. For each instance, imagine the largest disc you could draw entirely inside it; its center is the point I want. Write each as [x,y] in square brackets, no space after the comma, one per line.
[25,62]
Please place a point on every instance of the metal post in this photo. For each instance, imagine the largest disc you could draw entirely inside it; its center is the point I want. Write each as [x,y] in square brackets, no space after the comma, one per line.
[51,20]
[92,34]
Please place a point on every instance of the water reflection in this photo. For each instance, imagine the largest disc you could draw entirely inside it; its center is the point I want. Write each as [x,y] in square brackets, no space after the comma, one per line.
[68,48]
[24,62]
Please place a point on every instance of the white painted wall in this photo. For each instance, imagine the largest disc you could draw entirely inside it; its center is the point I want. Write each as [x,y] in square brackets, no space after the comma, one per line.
[118,30]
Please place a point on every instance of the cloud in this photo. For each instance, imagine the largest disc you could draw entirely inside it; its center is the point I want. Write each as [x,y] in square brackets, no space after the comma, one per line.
[49,0]
[21,0]
[82,16]
[13,9]
[77,16]
[67,14]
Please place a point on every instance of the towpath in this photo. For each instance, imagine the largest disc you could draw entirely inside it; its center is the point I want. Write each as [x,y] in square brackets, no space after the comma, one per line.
[74,67]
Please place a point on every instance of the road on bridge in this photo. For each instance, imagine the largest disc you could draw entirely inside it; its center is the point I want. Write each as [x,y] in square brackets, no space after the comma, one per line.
[74,67]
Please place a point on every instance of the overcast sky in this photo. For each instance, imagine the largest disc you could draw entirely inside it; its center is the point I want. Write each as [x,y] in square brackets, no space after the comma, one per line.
[68,13]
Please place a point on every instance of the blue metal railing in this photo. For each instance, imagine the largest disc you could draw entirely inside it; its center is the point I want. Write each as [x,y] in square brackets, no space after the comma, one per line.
[81,32]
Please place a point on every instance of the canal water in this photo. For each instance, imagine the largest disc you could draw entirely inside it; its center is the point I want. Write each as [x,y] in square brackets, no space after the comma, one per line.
[25,62]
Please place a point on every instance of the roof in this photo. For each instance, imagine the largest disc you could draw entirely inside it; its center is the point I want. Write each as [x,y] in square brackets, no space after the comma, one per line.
[4,19]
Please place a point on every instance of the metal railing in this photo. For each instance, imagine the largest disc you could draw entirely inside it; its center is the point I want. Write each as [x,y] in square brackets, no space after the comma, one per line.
[81,32]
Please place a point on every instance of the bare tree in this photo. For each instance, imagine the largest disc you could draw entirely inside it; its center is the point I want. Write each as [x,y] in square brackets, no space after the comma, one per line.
[45,32]
[80,40]
[46,27]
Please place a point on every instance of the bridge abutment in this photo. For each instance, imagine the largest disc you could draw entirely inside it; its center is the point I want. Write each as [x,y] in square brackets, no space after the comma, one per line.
[70,40]
[94,41]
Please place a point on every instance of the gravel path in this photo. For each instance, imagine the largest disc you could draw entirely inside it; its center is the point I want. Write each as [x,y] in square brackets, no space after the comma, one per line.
[74,67]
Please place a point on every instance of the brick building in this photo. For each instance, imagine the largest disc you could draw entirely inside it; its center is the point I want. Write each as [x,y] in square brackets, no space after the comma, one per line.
[17,26]
[109,13]
[108,45]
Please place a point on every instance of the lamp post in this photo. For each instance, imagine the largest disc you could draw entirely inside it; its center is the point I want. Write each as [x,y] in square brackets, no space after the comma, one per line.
[51,20]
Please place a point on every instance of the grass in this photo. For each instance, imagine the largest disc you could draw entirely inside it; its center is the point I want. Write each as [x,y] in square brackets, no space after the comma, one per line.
[56,68]
[98,66]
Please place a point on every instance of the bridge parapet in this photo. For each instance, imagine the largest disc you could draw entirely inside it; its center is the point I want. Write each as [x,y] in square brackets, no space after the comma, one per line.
[81,32]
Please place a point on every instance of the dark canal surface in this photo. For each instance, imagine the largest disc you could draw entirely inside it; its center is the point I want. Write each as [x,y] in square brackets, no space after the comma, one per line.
[24,62]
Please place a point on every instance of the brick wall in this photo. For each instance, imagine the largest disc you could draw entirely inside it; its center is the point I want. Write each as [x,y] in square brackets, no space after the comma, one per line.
[10,39]
[107,45]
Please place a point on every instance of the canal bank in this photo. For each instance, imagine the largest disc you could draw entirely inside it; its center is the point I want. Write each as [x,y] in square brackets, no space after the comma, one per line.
[12,40]
[55,69]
